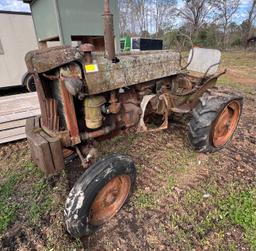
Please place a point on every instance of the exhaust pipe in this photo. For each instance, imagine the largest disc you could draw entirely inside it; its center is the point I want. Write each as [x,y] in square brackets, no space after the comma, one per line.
[109,36]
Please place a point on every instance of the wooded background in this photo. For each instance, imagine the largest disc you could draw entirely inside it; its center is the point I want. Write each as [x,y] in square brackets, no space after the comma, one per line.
[210,23]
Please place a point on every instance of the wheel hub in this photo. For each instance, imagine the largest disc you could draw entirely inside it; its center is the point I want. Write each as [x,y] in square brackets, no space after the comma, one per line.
[226,124]
[109,200]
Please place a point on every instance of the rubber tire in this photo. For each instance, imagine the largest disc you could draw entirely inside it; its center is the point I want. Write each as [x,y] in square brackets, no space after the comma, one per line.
[85,190]
[210,106]
[29,83]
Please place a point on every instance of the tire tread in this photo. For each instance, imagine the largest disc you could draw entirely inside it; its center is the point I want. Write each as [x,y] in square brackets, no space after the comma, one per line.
[204,115]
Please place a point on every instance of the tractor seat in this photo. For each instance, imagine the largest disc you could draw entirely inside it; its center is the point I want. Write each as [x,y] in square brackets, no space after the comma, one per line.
[204,62]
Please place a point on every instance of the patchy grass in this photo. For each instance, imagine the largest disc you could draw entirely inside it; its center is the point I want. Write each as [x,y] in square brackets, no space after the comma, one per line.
[9,187]
[179,159]
[8,207]
[239,59]
[120,144]
[226,81]
[214,211]
[31,207]
[239,208]
[38,197]
[144,200]
[41,201]
[241,73]
[170,184]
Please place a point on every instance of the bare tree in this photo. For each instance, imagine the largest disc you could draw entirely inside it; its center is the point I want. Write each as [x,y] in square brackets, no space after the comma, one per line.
[162,12]
[196,13]
[251,19]
[133,16]
[127,17]
[227,9]
[124,18]
[206,21]
[146,16]
[140,14]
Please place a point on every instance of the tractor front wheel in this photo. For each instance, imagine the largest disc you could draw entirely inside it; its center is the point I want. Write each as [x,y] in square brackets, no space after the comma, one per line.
[215,120]
[99,194]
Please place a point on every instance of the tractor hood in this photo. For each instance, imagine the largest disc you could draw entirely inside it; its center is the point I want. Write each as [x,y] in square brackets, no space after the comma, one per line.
[48,59]
[101,74]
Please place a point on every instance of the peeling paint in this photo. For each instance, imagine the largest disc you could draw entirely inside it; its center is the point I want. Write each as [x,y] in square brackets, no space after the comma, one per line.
[80,200]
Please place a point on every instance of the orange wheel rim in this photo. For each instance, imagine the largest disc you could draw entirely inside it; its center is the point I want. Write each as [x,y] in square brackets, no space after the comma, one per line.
[226,124]
[109,200]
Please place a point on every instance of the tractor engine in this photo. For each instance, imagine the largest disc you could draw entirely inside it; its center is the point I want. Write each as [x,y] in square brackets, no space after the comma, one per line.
[84,96]
[143,106]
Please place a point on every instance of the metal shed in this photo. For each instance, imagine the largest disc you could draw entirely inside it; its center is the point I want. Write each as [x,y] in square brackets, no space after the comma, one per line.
[17,37]
[76,20]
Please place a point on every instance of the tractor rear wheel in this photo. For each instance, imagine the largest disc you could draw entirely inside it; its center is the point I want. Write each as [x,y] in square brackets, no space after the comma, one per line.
[99,194]
[215,120]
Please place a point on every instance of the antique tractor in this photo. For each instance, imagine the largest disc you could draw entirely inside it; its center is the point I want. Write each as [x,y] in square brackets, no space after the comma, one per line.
[85,96]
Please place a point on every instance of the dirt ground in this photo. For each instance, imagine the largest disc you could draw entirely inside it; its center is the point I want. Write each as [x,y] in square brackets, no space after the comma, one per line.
[183,200]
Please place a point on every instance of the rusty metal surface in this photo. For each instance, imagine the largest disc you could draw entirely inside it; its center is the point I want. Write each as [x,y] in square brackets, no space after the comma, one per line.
[131,70]
[72,76]
[52,115]
[226,124]
[99,133]
[109,200]
[63,136]
[187,97]
[71,70]
[115,106]
[130,115]
[109,37]
[131,111]
[42,99]
[70,114]
[87,154]
[193,99]
[48,59]
[81,157]
[86,47]
[160,107]
[181,84]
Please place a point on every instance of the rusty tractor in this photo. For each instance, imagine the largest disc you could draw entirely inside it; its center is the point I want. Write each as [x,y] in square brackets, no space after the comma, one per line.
[85,96]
